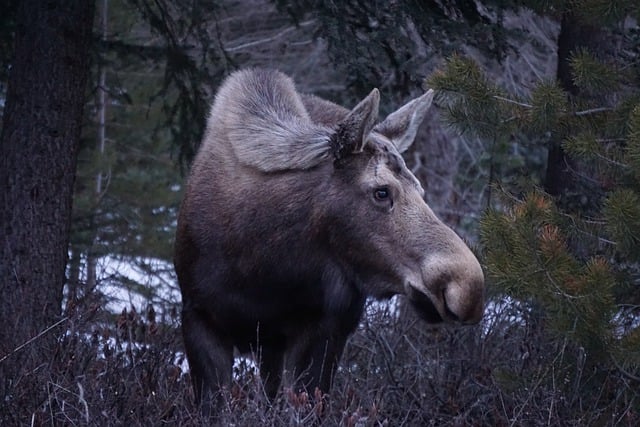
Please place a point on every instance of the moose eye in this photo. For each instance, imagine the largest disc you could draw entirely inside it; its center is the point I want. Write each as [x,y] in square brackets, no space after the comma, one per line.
[381,194]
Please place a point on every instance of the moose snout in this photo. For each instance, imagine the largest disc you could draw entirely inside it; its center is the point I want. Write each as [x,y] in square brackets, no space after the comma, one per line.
[465,301]
[449,290]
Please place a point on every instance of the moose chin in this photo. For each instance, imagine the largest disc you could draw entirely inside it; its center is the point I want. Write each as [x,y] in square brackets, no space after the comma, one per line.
[296,211]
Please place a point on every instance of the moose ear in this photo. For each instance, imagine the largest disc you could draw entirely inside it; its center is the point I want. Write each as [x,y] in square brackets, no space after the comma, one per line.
[351,133]
[402,125]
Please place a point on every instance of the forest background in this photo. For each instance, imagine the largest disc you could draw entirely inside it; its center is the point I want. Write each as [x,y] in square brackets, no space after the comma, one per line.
[532,153]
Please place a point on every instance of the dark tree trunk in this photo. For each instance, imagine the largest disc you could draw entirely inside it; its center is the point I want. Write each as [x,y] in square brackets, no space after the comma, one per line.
[38,152]
[574,34]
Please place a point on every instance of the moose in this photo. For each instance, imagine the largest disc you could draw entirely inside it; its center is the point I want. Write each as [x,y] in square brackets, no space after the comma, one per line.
[295,211]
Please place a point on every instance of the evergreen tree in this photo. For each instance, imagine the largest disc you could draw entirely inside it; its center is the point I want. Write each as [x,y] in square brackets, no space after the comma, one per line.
[565,247]
[376,42]
[39,145]
[146,113]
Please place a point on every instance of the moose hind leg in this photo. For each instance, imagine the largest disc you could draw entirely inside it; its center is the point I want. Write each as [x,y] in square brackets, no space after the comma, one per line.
[210,359]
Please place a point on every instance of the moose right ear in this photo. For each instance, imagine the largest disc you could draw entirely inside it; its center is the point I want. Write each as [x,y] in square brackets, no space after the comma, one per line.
[402,125]
[351,134]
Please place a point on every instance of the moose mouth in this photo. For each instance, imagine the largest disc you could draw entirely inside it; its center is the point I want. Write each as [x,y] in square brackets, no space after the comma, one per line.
[426,309]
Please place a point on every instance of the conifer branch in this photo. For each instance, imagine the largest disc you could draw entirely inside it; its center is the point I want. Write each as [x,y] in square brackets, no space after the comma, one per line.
[581,175]
[592,111]
[576,113]
[610,140]
[561,292]
[598,222]
[613,162]
[512,101]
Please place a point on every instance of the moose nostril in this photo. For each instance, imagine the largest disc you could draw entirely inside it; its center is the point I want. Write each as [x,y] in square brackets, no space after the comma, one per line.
[447,310]
[463,302]
[451,314]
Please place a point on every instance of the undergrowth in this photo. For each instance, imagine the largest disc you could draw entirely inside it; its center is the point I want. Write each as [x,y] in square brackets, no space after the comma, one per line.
[130,369]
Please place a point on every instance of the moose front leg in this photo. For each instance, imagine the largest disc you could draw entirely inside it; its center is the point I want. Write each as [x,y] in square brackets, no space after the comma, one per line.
[210,360]
[270,361]
[314,357]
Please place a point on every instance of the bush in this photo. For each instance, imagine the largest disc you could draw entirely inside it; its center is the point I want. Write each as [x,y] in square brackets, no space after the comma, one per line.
[129,369]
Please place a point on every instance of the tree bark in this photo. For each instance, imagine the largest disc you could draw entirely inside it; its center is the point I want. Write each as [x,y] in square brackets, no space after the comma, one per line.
[574,35]
[38,152]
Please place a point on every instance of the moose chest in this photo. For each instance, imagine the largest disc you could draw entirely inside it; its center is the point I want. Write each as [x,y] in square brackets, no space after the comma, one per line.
[271,312]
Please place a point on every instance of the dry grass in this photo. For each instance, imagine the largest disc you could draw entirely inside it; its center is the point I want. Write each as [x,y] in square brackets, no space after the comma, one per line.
[396,371]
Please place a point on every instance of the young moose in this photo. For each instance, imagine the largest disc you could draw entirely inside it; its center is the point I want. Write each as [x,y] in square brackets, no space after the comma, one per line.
[296,210]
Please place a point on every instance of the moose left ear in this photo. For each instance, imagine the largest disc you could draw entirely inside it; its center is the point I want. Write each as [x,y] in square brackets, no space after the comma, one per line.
[351,134]
[402,125]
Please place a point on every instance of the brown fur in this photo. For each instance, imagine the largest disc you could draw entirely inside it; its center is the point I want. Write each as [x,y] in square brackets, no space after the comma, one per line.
[322,111]
[296,210]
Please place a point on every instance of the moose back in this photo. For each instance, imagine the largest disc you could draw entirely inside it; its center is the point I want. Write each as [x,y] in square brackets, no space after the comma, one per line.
[295,211]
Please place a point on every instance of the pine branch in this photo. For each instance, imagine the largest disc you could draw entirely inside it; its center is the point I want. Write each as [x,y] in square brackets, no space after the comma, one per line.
[511,101]
[575,113]
[592,111]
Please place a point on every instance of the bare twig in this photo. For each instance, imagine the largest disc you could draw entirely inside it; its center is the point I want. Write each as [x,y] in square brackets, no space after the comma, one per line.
[31,340]
[268,39]
[624,372]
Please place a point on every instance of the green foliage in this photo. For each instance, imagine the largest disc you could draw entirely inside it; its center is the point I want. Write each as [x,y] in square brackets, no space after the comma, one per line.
[591,75]
[571,268]
[584,145]
[600,12]
[171,33]
[527,255]
[622,213]
[593,12]
[364,40]
[628,351]
[549,106]
[128,212]
[477,110]
[632,152]
[128,184]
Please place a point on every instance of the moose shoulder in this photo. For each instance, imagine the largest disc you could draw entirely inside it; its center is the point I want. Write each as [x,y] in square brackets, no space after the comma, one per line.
[296,210]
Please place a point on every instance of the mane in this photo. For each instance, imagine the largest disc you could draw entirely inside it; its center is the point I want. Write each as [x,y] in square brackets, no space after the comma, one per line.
[266,123]
[322,111]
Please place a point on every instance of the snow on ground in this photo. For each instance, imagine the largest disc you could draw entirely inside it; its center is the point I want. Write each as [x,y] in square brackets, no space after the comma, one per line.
[136,282]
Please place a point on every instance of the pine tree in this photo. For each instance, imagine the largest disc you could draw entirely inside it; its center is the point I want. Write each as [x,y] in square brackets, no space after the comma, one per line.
[39,143]
[567,254]
[146,113]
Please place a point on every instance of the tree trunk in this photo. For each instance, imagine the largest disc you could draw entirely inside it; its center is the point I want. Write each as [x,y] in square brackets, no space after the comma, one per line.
[574,34]
[38,151]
